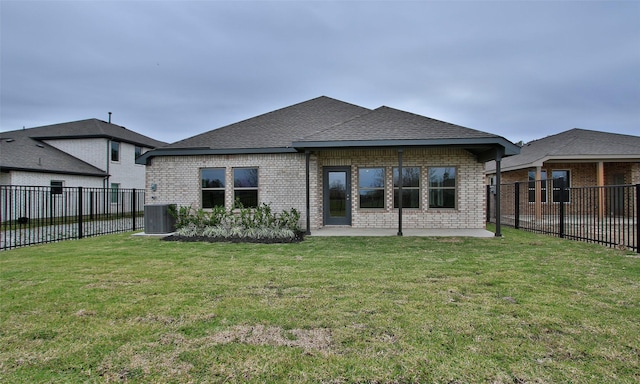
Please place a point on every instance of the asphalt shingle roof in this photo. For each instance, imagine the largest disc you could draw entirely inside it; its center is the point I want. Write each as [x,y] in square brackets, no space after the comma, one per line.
[277,129]
[18,151]
[90,128]
[26,149]
[386,123]
[574,144]
[324,122]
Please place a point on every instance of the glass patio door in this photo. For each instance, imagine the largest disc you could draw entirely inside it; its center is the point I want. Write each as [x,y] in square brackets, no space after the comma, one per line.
[337,195]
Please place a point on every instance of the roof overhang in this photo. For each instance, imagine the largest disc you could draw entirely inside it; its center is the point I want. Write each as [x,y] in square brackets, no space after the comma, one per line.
[555,159]
[92,136]
[52,171]
[484,148]
[145,157]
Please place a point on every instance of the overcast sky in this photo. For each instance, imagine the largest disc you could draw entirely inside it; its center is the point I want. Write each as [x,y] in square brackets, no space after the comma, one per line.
[174,69]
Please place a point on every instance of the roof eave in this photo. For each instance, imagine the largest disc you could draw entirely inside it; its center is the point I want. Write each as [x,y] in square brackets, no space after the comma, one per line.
[145,157]
[509,148]
[53,171]
[564,159]
[94,136]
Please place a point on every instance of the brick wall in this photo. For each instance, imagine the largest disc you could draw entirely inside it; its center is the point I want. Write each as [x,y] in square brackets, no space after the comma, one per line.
[583,174]
[582,201]
[281,179]
[282,184]
[469,211]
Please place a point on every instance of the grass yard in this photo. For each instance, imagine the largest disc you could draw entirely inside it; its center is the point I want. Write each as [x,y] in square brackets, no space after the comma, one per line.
[525,308]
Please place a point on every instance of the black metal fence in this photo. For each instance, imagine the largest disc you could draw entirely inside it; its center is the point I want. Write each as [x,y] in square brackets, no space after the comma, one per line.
[34,215]
[606,215]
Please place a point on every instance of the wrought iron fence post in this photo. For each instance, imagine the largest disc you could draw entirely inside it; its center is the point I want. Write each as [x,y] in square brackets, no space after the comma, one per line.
[517,205]
[637,221]
[561,210]
[80,213]
[133,208]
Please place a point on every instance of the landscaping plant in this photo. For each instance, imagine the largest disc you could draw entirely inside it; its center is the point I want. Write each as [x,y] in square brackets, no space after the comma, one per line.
[259,224]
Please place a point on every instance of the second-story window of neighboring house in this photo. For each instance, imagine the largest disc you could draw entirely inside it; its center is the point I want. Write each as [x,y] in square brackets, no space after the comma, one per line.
[138,152]
[115,151]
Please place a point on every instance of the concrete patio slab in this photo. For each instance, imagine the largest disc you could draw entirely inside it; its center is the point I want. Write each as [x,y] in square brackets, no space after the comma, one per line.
[440,232]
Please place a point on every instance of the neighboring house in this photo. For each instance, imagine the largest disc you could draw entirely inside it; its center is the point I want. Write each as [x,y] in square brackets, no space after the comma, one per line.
[336,163]
[582,158]
[86,153]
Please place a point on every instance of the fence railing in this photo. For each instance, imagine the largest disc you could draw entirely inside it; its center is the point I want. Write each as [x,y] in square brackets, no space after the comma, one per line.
[607,215]
[34,215]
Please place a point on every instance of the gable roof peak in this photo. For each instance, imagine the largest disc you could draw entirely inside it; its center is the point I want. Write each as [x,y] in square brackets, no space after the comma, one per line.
[87,128]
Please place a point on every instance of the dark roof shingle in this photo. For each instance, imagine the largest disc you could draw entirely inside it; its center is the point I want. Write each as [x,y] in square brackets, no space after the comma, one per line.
[18,151]
[324,122]
[386,123]
[276,129]
[574,144]
[89,128]
[26,149]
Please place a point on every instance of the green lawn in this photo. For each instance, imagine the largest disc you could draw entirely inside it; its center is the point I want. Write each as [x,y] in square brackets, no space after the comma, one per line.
[524,308]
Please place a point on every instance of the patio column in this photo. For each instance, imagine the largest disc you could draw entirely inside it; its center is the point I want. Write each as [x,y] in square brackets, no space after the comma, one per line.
[499,153]
[600,184]
[399,191]
[307,154]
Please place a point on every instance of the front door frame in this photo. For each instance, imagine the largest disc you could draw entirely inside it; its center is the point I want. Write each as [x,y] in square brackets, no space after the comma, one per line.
[328,219]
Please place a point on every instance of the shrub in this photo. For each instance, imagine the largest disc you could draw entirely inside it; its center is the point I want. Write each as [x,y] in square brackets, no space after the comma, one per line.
[259,223]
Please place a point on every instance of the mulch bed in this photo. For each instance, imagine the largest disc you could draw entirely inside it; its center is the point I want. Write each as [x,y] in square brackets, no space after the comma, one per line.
[206,239]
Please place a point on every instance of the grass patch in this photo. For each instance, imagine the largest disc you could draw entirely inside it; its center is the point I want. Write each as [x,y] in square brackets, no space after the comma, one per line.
[524,308]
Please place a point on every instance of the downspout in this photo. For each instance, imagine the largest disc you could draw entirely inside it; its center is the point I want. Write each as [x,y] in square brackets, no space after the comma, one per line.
[108,158]
[307,154]
[106,179]
[400,191]
[499,154]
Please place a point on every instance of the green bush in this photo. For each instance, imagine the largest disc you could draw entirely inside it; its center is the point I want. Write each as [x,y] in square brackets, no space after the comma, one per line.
[245,223]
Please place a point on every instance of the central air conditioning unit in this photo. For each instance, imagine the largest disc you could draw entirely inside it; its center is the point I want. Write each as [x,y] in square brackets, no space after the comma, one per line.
[158,219]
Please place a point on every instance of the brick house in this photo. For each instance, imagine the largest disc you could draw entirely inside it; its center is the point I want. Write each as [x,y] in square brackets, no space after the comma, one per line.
[85,153]
[335,162]
[580,157]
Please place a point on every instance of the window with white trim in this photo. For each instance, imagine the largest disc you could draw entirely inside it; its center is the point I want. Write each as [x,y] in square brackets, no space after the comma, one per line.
[115,192]
[115,151]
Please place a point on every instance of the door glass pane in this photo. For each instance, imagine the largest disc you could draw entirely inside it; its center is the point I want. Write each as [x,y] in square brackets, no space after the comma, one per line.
[338,194]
